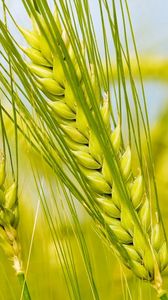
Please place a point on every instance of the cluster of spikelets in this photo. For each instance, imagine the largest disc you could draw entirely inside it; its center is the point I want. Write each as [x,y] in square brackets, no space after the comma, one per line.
[9,218]
[146,258]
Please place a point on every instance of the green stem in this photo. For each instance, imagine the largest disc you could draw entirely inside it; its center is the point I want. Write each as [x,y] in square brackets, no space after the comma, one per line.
[23,283]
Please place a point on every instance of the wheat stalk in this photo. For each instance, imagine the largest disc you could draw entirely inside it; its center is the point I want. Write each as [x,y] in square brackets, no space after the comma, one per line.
[148,259]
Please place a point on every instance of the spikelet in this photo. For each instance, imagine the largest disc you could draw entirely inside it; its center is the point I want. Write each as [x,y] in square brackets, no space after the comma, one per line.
[87,152]
[9,218]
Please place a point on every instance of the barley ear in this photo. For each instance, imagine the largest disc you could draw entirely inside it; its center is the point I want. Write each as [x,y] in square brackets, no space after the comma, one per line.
[9,219]
[131,225]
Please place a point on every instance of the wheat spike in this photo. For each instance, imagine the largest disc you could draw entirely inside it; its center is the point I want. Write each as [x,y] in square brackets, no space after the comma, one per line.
[84,145]
[9,217]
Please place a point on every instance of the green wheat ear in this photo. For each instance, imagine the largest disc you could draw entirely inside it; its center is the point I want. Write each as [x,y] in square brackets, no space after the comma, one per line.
[9,217]
[146,259]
